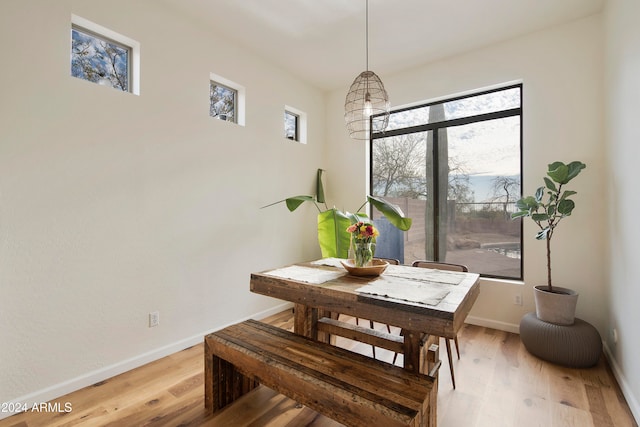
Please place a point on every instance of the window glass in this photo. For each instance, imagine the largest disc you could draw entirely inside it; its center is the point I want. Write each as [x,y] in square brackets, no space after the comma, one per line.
[99,60]
[291,126]
[458,181]
[223,102]
[491,102]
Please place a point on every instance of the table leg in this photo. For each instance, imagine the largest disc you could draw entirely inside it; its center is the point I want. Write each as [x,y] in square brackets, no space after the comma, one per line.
[416,351]
[305,321]
[429,359]
[412,350]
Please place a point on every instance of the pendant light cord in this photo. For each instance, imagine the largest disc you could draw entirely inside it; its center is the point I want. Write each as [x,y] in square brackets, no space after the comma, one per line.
[367,33]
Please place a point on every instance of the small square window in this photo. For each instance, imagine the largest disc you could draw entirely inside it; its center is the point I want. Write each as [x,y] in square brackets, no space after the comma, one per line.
[295,124]
[99,59]
[223,102]
[291,126]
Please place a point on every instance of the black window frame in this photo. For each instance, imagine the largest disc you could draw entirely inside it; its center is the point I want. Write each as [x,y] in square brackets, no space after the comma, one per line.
[435,128]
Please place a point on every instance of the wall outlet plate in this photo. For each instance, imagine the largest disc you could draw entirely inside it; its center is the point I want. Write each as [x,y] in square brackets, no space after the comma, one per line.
[154,319]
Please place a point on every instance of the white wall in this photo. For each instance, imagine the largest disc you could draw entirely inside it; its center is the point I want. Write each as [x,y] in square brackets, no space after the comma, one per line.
[622,80]
[561,69]
[114,205]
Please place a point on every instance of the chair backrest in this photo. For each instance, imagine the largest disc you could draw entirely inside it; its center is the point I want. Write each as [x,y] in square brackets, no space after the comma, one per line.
[440,265]
[390,260]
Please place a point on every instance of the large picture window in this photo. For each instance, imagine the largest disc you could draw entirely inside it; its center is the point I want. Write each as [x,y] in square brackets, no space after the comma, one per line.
[454,166]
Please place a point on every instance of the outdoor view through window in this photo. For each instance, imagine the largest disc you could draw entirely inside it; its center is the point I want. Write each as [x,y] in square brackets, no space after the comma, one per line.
[99,60]
[454,167]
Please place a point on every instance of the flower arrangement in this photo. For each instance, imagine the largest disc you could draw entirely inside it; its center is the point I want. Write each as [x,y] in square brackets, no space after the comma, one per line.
[362,235]
[363,232]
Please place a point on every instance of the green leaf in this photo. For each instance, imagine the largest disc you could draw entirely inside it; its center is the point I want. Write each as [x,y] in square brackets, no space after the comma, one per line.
[574,169]
[319,187]
[566,206]
[539,217]
[332,233]
[562,173]
[392,212]
[519,214]
[558,171]
[550,185]
[539,194]
[358,217]
[293,202]
[527,203]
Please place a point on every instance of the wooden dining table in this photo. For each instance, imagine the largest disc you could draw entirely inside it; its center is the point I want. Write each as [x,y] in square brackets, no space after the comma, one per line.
[424,303]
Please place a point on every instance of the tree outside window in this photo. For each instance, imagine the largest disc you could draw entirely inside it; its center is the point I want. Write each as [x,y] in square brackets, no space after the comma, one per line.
[291,126]
[223,102]
[99,60]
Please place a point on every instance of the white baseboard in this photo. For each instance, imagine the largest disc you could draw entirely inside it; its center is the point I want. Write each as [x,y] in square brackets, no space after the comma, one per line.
[493,324]
[632,400]
[107,372]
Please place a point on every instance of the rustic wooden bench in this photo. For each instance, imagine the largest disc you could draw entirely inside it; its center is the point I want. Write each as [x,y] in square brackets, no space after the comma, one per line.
[350,388]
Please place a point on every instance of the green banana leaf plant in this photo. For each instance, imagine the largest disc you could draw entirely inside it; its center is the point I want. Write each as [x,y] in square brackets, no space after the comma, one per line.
[332,223]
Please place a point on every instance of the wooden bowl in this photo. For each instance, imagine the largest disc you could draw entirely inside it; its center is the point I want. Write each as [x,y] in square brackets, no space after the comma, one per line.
[376,268]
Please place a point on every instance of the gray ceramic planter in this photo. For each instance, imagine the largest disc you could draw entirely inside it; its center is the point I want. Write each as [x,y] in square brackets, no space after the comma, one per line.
[558,307]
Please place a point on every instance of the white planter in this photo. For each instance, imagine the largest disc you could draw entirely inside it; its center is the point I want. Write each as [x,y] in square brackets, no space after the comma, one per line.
[558,307]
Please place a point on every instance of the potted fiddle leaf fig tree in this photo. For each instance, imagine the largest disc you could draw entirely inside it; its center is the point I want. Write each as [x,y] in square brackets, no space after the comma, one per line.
[551,204]
[333,237]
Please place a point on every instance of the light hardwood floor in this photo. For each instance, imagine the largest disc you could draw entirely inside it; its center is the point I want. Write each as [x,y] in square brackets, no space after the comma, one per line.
[498,384]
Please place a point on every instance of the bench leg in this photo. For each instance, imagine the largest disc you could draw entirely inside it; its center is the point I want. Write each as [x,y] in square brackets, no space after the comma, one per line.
[208,377]
[223,383]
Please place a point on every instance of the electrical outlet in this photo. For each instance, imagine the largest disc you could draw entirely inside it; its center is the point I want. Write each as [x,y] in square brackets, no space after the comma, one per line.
[517,299]
[154,319]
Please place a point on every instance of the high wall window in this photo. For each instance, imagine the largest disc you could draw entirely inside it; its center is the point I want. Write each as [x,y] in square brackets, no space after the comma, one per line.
[226,99]
[291,126]
[454,166]
[295,124]
[102,56]
[223,103]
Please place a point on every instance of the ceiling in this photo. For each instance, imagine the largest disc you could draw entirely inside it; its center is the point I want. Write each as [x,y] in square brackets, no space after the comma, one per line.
[324,43]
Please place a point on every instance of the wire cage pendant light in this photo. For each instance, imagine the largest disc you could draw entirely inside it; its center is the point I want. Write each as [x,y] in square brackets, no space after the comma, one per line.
[366,106]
